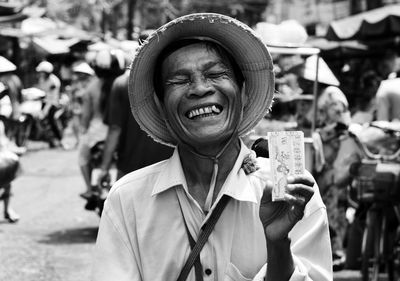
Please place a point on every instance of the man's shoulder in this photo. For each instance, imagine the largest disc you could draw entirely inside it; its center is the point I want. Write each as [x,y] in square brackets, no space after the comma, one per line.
[139,182]
[120,84]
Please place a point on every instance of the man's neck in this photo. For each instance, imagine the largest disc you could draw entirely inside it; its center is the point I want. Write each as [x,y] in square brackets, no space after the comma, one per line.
[198,170]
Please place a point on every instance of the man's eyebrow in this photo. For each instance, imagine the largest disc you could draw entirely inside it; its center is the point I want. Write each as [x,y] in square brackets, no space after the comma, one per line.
[206,66]
[214,63]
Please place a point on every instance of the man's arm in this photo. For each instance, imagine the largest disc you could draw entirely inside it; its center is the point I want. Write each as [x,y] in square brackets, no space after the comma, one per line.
[116,124]
[111,144]
[298,245]
[280,260]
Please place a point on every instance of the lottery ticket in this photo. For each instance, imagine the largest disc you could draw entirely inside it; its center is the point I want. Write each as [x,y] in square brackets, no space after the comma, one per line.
[286,153]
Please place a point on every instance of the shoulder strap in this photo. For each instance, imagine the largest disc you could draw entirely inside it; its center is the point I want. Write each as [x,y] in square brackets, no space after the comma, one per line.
[206,231]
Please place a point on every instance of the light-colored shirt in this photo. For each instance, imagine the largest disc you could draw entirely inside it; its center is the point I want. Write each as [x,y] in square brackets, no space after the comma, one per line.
[388,100]
[142,233]
[51,86]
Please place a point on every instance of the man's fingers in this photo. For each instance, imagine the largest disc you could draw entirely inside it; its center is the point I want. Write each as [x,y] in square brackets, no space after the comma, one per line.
[300,189]
[305,179]
[295,200]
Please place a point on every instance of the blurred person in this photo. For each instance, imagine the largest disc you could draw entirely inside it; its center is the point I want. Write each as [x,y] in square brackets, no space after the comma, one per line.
[82,73]
[333,120]
[187,90]
[135,149]
[9,166]
[50,84]
[386,66]
[13,84]
[365,109]
[108,65]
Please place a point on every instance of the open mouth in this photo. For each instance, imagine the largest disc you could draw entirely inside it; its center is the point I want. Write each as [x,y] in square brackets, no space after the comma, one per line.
[205,111]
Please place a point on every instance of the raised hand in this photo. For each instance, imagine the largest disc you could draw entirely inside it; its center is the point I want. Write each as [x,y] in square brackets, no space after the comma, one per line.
[278,218]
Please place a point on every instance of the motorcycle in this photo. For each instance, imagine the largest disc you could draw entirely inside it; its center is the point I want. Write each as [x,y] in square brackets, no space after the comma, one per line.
[31,124]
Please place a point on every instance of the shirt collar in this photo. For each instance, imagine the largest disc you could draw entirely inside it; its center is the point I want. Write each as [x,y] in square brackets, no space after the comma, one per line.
[237,184]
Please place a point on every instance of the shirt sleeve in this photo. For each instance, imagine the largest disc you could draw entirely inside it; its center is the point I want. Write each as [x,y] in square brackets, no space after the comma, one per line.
[311,248]
[113,258]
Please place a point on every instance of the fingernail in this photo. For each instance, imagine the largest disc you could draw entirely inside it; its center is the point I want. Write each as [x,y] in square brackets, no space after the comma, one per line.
[290,179]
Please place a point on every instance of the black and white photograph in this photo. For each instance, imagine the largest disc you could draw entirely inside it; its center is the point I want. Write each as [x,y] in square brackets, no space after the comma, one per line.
[200,140]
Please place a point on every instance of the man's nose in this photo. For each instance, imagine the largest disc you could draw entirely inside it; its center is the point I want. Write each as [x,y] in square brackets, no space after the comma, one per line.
[200,87]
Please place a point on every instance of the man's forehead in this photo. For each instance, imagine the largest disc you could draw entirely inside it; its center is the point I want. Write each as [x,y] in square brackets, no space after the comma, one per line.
[201,53]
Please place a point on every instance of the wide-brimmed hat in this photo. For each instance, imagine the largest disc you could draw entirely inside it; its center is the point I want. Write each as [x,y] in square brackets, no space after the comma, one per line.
[238,39]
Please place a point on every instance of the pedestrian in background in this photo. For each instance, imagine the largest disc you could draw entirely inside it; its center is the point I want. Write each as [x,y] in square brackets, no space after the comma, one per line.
[134,148]
[50,84]
[108,65]
[82,74]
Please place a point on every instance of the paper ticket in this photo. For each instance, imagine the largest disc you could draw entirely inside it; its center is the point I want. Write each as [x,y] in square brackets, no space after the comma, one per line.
[286,153]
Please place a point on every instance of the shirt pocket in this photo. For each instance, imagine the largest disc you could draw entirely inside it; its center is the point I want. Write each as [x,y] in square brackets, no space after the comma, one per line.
[232,273]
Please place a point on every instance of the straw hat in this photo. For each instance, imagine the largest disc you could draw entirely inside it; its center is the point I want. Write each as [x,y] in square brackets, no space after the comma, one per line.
[45,66]
[238,39]
[83,67]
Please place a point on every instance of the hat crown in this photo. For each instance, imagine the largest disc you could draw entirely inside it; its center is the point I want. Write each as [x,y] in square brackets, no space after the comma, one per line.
[246,47]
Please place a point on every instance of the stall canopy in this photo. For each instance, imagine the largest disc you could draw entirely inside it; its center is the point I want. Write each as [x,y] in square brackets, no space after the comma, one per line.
[381,22]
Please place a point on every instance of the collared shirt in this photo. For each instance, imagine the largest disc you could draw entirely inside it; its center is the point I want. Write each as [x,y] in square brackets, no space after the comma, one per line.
[51,86]
[142,234]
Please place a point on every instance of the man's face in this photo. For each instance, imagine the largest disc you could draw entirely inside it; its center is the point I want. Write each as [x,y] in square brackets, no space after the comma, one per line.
[202,99]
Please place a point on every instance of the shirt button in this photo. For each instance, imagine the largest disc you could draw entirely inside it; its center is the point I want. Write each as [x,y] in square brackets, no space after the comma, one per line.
[208,271]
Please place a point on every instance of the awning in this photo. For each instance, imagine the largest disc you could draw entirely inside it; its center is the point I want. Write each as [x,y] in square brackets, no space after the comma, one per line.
[381,22]
[52,46]
[340,49]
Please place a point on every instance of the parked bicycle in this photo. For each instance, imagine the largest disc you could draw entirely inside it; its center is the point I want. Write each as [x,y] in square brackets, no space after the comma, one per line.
[376,187]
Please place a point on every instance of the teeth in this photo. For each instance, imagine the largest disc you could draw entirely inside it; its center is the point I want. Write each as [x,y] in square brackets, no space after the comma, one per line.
[205,110]
[215,109]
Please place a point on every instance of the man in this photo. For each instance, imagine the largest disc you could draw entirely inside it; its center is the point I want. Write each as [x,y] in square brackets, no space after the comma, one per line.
[135,149]
[199,83]
[108,65]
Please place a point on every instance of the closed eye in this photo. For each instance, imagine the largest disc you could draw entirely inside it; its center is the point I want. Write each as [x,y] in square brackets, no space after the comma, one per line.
[214,75]
[177,81]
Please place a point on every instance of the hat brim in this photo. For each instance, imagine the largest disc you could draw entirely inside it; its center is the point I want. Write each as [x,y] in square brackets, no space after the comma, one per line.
[238,39]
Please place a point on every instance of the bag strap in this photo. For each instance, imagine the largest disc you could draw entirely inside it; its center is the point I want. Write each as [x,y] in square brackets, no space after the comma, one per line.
[198,268]
[201,241]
